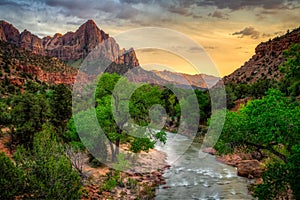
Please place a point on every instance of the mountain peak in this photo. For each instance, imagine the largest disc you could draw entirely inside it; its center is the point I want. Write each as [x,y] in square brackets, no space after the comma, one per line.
[90,24]
[71,46]
[8,32]
[90,21]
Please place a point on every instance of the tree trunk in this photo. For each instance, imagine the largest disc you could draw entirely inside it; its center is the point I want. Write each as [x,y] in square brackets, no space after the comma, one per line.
[113,156]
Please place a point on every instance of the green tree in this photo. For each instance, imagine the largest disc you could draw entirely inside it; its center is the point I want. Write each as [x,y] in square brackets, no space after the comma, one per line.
[291,82]
[5,119]
[48,172]
[87,128]
[272,125]
[116,106]
[61,106]
[12,181]
[29,113]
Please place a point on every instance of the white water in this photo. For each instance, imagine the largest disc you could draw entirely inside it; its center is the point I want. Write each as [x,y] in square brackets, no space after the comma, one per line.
[196,175]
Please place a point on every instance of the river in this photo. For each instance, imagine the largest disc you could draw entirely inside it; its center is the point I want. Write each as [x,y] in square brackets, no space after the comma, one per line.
[197,175]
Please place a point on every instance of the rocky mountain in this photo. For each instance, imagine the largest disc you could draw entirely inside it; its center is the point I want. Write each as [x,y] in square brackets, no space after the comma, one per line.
[71,46]
[88,42]
[265,63]
[19,66]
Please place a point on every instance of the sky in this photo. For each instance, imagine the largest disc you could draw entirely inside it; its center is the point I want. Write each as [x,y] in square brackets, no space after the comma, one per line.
[227,31]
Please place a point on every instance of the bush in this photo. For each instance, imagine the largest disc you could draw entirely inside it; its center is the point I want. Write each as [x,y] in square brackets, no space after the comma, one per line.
[11,178]
[111,182]
[141,144]
[49,173]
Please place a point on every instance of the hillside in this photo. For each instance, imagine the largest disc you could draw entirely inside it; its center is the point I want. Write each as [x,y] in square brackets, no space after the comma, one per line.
[18,66]
[264,64]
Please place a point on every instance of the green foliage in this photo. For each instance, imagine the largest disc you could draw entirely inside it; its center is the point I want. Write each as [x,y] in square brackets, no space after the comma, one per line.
[112,181]
[29,113]
[5,119]
[12,181]
[204,105]
[147,192]
[141,144]
[142,100]
[87,128]
[121,164]
[190,113]
[61,106]
[271,124]
[131,183]
[291,82]
[113,112]
[274,184]
[106,85]
[263,122]
[279,177]
[110,184]
[293,169]
[48,172]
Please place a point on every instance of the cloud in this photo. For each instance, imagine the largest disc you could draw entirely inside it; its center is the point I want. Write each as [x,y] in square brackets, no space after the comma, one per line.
[179,10]
[210,47]
[195,49]
[244,4]
[218,14]
[221,4]
[94,8]
[248,31]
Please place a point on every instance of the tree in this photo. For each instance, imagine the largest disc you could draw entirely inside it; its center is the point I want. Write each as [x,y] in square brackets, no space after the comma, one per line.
[48,172]
[272,125]
[61,106]
[122,109]
[291,82]
[204,105]
[5,119]
[12,181]
[29,113]
[92,138]
[263,124]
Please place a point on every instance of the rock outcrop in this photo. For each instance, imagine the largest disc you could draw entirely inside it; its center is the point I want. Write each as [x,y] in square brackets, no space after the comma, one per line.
[249,169]
[31,42]
[18,66]
[266,61]
[10,33]
[71,46]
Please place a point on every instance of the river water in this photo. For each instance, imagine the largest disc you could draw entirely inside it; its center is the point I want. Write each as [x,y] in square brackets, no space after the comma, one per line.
[196,175]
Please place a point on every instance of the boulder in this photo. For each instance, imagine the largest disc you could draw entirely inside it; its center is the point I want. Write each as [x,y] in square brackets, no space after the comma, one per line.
[210,150]
[249,169]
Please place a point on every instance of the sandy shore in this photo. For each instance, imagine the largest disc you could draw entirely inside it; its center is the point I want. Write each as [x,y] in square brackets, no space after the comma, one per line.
[146,169]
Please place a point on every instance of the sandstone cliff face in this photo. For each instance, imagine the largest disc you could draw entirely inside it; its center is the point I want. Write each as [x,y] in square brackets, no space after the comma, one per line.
[31,42]
[2,35]
[266,61]
[70,46]
[11,33]
[18,66]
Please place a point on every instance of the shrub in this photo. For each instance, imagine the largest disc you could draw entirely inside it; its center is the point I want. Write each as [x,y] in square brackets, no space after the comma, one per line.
[141,144]
[11,178]
[49,173]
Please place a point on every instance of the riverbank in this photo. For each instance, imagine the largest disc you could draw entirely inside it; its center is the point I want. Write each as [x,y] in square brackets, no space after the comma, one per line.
[139,181]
